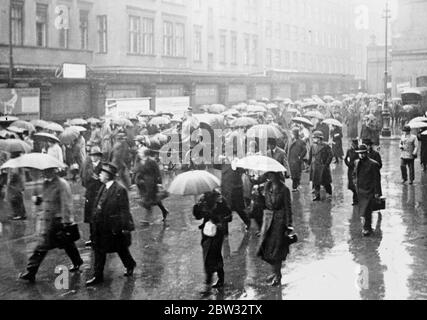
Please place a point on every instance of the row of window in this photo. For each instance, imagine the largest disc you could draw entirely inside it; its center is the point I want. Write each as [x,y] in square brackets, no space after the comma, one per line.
[305,61]
[304,35]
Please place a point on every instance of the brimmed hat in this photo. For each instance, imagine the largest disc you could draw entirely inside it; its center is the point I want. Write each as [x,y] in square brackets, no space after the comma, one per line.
[406,129]
[367,141]
[95,151]
[363,148]
[109,168]
[318,134]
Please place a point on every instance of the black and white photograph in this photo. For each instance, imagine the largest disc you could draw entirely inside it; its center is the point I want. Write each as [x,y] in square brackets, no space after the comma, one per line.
[220,151]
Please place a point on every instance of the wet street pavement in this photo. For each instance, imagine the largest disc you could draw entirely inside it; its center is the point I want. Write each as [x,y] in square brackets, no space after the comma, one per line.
[331,261]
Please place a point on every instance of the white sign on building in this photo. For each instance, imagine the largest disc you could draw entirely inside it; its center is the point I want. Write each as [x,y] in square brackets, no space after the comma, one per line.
[174,105]
[125,108]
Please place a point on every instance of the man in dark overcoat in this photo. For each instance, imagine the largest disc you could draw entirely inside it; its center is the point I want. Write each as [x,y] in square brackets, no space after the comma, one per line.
[368,185]
[278,154]
[320,160]
[297,153]
[350,159]
[57,212]
[90,181]
[112,223]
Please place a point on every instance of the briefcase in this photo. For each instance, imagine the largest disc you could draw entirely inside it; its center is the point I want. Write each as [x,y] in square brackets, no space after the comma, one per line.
[71,232]
[379,204]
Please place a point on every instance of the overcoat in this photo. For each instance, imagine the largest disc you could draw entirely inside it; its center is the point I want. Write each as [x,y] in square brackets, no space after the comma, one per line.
[350,160]
[320,160]
[273,246]
[297,153]
[92,187]
[212,246]
[337,136]
[232,187]
[112,221]
[147,179]
[423,142]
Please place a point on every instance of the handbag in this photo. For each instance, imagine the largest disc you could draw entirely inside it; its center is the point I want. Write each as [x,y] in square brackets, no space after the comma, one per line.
[379,204]
[71,232]
[210,229]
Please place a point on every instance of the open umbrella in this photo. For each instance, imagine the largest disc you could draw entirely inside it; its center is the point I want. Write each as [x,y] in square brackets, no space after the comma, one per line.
[328,99]
[314,114]
[304,121]
[39,123]
[93,121]
[176,118]
[292,110]
[69,135]
[240,107]
[39,161]
[260,163]
[46,136]
[253,108]
[271,106]
[159,121]
[418,125]
[122,122]
[14,145]
[194,183]
[15,129]
[147,113]
[337,104]
[7,120]
[24,125]
[78,122]
[79,128]
[264,131]
[333,122]
[244,122]
[4,134]
[419,119]
[54,127]
[424,133]
[217,108]
[231,112]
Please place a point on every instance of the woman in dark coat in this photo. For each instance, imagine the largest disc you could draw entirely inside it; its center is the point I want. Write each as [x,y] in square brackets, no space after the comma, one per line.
[148,178]
[274,245]
[423,155]
[297,153]
[212,207]
[350,158]
[337,149]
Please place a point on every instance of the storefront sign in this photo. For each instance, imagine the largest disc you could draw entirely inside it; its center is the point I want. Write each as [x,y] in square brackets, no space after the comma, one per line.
[73,71]
[20,102]
[174,105]
[126,107]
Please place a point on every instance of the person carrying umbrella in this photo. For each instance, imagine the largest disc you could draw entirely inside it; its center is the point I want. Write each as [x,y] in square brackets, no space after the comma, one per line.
[367,179]
[276,227]
[112,225]
[337,149]
[297,153]
[320,160]
[216,215]
[15,189]
[408,153]
[57,212]
[90,181]
[350,159]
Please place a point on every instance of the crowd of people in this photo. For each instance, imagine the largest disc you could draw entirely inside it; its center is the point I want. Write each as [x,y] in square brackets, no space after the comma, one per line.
[110,155]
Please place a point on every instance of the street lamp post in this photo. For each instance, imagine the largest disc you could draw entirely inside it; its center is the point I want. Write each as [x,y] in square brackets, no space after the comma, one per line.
[386,132]
[11,82]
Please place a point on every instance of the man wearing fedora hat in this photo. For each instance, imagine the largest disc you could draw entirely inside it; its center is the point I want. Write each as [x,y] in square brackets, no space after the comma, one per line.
[90,181]
[367,179]
[408,153]
[112,224]
[320,160]
[374,155]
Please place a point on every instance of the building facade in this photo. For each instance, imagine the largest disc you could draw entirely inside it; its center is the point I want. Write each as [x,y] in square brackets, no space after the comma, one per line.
[409,54]
[219,51]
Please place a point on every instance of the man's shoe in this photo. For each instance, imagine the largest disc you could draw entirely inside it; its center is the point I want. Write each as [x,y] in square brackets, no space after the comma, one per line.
[411,183]
[28,276]
[75,268]
[403,181]
[129,272]
[94,281]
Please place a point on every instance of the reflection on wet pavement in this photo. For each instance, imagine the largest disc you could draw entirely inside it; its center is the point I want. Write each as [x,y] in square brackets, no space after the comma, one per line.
[331,261]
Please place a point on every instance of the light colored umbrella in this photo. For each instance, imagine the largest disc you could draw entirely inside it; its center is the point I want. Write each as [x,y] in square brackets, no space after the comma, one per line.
[79,128]
[46,136]
[333,122]
[253,108]
[8,119]
[314,114]
[244,122]
[53,126]
[69,135]
[78,122]
[260,163]
[176,118]
[15,129]
[264,131]
[424,133]
[39,123]
[7,134]
[418,125]
[231,112]
[419,119]
[159,121]
[217,108]
[328,99]
[292,110]
[194,183]
[147,113]
[24,125]
[93,121]
[303,121]
[336,103]
[39,161]
[122,122]
[14,145]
